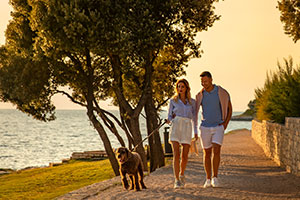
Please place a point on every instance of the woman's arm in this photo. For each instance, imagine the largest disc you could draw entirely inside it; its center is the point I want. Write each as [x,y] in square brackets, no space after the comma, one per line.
[170,111]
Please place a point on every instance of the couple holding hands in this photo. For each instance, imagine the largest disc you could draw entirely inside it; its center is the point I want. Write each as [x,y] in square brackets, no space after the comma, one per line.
[183,117]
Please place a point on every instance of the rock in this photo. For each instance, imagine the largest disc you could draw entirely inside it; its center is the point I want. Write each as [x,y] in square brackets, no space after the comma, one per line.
[54,164]
[5,171]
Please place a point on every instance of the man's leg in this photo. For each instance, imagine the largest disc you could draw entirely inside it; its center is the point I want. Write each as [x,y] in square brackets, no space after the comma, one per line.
[217,141]
[216,158]
[206,138]
[207,162]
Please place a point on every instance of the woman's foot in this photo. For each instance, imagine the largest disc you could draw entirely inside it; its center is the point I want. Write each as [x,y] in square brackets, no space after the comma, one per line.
[182,180]
[207,183]
[177,184]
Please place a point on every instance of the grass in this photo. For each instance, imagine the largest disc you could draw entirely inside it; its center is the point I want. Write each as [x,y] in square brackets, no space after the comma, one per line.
[51,182]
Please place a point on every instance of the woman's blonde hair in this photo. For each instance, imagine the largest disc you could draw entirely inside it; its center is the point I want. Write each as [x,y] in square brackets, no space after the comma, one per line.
[187,92]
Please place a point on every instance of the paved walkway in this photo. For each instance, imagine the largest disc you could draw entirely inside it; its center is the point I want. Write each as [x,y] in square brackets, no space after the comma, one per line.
[245,173]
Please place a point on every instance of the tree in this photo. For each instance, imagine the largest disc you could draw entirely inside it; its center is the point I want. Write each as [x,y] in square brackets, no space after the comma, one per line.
[251,111]
[279,98]
[30,75]
[167,67]
[98,49]
[290,16]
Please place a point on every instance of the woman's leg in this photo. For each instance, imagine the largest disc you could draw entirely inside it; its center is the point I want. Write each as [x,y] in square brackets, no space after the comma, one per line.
[176,157]
[184,158]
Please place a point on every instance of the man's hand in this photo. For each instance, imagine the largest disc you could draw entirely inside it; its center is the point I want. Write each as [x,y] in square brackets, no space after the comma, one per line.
[228,117]
[224,125]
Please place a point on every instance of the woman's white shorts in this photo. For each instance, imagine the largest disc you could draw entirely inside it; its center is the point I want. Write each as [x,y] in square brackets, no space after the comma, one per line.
[181,130]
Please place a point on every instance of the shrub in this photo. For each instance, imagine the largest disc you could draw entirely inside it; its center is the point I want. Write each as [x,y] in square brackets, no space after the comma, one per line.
[280,96]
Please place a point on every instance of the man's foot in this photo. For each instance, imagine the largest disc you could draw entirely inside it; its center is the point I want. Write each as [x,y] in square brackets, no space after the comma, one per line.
[207,183]
[215,182]
[177,184]
[182,180]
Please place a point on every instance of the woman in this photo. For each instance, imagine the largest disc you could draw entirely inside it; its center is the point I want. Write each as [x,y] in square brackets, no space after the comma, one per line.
[180,116]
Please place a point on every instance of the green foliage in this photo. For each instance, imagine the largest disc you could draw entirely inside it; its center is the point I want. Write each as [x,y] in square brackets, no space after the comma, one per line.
[71,43]
[48,183]
[24,79]
[290,16]
[279,98]
[166,68]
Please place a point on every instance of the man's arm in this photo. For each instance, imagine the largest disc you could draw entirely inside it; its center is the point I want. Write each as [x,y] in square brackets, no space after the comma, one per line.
[228,117]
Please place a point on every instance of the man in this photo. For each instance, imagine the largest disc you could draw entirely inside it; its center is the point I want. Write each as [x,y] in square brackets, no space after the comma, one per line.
[216,113]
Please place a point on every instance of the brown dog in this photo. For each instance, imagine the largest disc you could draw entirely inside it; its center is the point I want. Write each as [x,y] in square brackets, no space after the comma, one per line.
[131,164]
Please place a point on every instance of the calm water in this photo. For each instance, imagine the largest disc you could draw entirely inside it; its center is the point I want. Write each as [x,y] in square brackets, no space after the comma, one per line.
[27,142]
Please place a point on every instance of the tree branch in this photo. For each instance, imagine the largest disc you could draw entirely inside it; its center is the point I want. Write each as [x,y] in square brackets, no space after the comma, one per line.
[117,83]
[71,98]
[109,123]
[161,104]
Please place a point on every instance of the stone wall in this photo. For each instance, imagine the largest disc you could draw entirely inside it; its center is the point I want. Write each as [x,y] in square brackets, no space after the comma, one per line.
[280,142]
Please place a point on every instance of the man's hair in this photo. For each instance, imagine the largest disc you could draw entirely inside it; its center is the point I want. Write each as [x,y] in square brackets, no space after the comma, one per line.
[206,73]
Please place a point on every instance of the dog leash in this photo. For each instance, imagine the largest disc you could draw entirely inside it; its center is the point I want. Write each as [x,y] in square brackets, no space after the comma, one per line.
[149,135]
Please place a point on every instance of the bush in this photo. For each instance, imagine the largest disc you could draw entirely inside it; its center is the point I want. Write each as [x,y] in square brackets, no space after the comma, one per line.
[280,96]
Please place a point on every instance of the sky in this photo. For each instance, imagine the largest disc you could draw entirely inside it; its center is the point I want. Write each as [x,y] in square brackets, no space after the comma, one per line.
[239,50]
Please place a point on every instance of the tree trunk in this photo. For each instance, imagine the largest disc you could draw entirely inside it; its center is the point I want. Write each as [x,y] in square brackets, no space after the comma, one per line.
[108,148]
[90,98]
[132,115]
[126,128]
[134,128]
[157,158]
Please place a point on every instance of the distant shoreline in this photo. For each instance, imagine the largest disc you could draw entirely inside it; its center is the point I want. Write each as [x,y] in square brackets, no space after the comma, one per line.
[242,118]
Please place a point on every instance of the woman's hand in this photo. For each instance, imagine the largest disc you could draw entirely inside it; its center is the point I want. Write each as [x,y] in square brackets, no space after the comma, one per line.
[196,136]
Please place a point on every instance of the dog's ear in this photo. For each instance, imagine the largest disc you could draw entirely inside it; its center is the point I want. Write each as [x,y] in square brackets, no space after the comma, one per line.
[127,152]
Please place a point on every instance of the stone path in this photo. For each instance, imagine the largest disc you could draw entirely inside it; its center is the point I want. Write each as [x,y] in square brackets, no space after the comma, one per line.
[245,173]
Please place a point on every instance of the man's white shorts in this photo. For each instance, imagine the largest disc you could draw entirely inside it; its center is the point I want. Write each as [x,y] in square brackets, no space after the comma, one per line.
[211,135]
[181,130]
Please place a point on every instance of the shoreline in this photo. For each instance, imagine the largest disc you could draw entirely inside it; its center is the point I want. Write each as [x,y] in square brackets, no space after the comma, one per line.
[45,143]
[242,118]
[80,156]
[86,153]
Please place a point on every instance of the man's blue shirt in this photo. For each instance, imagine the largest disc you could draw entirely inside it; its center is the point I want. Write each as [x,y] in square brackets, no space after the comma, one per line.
[211,108]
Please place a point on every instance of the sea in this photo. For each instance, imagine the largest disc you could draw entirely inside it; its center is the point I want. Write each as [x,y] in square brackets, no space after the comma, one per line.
[26,142]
